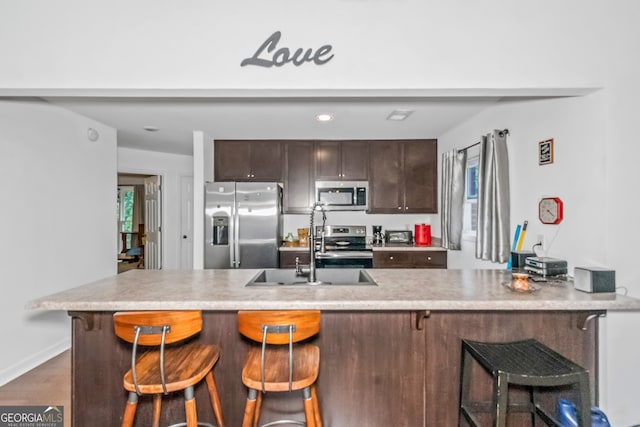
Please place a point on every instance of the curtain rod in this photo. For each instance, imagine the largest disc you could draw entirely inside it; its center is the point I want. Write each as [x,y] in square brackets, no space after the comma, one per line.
[502,133]
[469,146]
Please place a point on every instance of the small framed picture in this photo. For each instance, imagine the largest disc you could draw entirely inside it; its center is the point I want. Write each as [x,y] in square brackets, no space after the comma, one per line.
[545,152]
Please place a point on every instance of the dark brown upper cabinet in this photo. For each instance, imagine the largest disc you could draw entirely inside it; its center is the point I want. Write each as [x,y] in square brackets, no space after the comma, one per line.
[403,176]
[299,184]
[240,160]
[342,160]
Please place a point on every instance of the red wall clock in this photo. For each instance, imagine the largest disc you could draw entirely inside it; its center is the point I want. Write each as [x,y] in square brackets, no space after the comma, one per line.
[550,210]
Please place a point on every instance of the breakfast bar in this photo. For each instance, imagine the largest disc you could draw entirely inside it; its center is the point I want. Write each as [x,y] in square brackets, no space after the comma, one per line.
[390,352]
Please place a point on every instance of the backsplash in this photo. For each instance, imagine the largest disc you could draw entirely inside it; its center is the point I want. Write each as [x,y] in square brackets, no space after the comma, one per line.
[291,223]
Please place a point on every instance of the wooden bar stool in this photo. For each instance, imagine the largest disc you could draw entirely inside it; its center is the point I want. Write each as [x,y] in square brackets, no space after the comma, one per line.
[526,363]
[169,368]
[279,364]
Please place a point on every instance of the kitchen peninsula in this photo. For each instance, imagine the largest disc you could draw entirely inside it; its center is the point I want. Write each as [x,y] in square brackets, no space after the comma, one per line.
[390,353]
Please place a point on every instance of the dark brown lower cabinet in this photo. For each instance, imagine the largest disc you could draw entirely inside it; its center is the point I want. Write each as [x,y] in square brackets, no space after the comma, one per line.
[378,368]
[410,259]
[288,258]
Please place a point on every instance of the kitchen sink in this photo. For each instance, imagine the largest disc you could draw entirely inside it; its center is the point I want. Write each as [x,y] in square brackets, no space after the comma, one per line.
[325,276]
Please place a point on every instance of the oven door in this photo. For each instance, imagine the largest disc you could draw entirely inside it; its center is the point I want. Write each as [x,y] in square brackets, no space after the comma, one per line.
[353,259]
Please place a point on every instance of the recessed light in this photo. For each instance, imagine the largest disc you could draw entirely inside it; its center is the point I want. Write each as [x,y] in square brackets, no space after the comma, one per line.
[324,117]
[151,128]
[398,115]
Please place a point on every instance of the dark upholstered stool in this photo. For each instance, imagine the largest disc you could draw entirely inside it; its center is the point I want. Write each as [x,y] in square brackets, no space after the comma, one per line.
[526,363]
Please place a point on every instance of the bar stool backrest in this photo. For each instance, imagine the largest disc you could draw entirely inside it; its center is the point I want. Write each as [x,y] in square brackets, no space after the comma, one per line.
[306,324]
[182,325]
[278,328]
[155,328]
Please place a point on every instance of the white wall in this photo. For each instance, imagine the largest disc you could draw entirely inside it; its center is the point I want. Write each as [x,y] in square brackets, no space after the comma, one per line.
[399,44]
[171,167]
[576,176]
[57,222]
[621,206]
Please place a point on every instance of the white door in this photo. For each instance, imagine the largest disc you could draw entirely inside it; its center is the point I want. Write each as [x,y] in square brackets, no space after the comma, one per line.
[186,223]
[153,223]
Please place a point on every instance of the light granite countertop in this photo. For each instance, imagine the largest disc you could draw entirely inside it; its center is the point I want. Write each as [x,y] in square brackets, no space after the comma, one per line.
[398,289]
[396,247]
[374,248]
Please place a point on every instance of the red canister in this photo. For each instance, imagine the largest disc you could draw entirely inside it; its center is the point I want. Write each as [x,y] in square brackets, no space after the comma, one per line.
[422,233]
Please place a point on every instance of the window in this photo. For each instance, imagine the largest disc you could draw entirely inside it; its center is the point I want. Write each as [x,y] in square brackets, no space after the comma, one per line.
[470,212]
[125,211]
[471,192]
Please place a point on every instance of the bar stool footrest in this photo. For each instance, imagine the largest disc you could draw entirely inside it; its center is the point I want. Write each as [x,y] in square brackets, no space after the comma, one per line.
[284,422]
[184,424]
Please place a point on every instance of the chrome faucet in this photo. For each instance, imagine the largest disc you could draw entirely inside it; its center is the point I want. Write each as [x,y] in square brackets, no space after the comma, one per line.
[312,241]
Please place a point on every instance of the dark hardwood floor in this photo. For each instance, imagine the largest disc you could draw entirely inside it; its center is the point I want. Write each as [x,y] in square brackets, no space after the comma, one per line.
[48,384]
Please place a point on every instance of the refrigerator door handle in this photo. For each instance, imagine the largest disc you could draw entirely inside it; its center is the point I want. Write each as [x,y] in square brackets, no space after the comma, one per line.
[232,237]
[236,238]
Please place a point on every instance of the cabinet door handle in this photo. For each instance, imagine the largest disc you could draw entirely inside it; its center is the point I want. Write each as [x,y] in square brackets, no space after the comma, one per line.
[406,207]
[428,258]
[391,257]
[400,207]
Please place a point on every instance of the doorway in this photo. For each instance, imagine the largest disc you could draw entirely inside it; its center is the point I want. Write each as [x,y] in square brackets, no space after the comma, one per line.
[139,207]
[186,222]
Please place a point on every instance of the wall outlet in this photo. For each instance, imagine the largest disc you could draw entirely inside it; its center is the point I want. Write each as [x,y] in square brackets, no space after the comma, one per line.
[540,240]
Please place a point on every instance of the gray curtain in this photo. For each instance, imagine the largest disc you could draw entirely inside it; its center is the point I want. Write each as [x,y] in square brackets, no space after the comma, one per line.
[492,241]
[452,198]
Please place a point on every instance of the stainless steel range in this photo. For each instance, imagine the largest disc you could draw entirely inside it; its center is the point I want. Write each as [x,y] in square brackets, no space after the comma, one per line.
[342,246]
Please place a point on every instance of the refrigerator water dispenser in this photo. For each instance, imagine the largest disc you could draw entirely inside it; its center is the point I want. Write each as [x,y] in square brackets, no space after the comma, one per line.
[220,230]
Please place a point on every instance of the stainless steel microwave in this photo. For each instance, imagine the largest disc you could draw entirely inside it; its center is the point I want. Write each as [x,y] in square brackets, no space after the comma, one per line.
[343,195]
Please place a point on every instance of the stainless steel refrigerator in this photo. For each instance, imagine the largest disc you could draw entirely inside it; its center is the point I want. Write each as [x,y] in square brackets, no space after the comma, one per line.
[243,222]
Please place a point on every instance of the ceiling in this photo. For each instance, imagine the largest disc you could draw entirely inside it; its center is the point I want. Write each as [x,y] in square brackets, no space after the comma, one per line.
[270,117]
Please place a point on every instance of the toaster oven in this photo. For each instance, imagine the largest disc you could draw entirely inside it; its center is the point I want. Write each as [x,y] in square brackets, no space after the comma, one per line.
[398,237]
